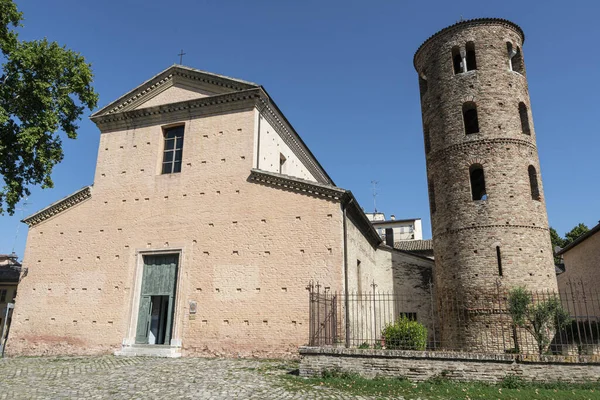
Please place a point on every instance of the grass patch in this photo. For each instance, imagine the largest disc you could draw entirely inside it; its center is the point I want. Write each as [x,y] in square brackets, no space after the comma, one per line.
[443,388]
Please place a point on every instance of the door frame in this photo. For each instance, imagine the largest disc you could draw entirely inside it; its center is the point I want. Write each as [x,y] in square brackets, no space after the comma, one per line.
[129,340]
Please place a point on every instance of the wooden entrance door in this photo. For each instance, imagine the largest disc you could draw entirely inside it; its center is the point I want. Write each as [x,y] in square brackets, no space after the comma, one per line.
[159,279]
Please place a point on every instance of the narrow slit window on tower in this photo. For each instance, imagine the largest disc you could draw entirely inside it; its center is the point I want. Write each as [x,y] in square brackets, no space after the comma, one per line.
[431,195]
[477,182]
[533,183]
[524,118]
[471,59]
[499,258]
[457,60]
[427,139]
[470,118]
[173,150]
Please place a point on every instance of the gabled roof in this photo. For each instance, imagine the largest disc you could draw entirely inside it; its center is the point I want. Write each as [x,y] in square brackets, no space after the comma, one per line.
[580,239]
[164,80]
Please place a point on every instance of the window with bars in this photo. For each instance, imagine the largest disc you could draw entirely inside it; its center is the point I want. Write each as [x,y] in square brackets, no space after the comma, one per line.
[3,295]
[173,151]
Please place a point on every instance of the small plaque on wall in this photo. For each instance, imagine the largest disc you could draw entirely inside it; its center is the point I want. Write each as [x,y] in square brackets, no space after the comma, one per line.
[193,307]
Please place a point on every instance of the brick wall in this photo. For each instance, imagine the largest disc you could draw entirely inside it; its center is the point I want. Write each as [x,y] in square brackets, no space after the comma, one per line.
[420,366]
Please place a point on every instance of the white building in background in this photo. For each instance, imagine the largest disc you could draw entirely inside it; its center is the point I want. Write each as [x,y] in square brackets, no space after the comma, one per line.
[393,230]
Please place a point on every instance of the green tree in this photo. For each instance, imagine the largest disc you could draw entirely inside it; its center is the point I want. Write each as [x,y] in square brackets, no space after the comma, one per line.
[542,319]
[44,89]
[574,233]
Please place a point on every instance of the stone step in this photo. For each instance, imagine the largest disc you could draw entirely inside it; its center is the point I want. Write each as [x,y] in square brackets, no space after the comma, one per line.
[149,350]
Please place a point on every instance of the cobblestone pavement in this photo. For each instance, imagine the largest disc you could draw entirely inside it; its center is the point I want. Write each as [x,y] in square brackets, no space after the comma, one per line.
[151,378]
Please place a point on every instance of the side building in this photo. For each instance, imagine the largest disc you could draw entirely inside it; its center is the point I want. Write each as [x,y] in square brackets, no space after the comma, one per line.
[207,218]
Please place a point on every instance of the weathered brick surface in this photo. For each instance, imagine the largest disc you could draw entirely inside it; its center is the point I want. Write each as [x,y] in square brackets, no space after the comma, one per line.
[247,249]
[420,366]
[466,232]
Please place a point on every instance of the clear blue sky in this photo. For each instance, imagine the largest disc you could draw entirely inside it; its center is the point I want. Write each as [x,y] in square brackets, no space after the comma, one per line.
[342,73]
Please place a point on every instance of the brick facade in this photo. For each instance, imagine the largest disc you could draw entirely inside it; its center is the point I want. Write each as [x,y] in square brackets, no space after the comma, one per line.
[248,238]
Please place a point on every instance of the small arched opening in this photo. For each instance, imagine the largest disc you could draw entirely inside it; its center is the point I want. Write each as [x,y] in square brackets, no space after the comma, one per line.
[533,183]
[457,61]
[471,59]
[471,121]
[477,182]
[422,84]
[517,61]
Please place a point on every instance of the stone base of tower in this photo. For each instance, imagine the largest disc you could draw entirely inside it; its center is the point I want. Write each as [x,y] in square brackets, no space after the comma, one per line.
[482,326]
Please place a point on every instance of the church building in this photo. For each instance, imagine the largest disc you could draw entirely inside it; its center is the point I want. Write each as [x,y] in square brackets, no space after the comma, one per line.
[207,218]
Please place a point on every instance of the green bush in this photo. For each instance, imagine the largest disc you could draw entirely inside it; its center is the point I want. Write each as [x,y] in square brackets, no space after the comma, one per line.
[405,334]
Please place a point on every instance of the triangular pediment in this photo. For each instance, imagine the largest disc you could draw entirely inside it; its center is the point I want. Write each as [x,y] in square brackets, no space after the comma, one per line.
[175,84]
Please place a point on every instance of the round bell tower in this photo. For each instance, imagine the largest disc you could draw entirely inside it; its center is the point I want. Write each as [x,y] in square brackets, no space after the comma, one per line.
[488,212]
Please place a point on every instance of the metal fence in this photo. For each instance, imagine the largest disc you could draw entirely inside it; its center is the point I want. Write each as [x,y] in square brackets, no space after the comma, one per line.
[564,323]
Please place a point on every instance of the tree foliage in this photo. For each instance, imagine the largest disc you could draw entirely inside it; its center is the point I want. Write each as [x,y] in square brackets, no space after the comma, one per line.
[542,318]
[574,233]
[44,89]
[569,238]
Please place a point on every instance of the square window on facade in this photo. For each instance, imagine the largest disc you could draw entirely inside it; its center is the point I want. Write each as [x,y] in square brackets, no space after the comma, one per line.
[173,150]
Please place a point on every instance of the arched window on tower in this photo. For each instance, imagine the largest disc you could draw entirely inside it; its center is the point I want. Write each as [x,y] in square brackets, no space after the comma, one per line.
[533,183]
[457,61]
[471,59]
[427,140]
[524,118]
[470,119]
[422,84]
[515,58]
[477,182]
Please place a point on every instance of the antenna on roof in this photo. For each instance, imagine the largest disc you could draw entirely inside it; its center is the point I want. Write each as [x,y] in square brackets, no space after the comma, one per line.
[375,193]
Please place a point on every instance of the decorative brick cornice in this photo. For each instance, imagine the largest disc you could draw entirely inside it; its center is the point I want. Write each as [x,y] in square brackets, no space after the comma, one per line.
[507,226]
[479,142]
[297,185]
[163,80]
[59,206]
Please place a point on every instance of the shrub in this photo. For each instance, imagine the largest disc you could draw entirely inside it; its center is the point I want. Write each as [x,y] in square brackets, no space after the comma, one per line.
[405,334]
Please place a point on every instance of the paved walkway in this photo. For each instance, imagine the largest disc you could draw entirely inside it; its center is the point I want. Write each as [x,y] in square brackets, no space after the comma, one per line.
[151,378]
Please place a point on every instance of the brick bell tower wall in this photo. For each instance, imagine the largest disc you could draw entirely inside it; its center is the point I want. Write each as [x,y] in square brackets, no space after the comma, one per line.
[502,240]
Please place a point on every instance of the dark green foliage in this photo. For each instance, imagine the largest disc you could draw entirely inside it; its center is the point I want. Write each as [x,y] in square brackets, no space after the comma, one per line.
[542,318]
[570,237]
[556,241]
[44,89]
[574,233]
[405,334]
